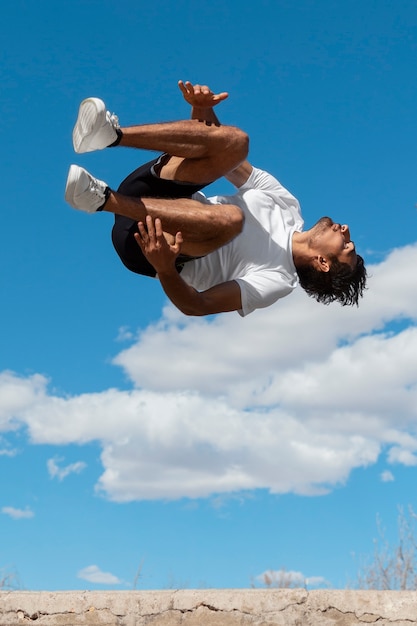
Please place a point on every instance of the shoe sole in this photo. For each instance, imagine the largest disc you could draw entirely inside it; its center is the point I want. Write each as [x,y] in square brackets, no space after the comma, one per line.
[80,193]
[92,111]
[72,180]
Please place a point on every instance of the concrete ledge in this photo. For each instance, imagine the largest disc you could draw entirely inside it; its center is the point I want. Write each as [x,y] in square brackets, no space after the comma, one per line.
[210,607]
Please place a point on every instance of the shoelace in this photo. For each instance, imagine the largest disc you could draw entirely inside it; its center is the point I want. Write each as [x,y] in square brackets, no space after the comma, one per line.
[113,118]
[95,188]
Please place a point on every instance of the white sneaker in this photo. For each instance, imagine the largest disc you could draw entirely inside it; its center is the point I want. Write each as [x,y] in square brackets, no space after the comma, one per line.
[95,128]
[84,192]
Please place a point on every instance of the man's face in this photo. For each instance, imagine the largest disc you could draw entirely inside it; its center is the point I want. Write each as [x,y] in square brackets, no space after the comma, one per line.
[333,241]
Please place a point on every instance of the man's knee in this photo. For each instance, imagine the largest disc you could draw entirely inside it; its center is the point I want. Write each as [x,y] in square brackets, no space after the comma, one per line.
[233,149]
[235,141]
[233,223]
[241,143]
[238,220]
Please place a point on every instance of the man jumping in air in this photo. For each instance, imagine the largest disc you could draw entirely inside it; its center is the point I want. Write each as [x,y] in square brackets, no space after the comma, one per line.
[210,255]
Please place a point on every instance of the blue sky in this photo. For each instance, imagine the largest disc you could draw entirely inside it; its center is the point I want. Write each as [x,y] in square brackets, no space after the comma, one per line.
[138,447]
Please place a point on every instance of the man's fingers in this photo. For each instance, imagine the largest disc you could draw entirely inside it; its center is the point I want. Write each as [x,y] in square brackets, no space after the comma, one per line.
[176,246]
[183,87]
[142,230]
[200,95]
[158,228]
[139,240]
[150,227]
[152,234]
[186,88]
[221,96]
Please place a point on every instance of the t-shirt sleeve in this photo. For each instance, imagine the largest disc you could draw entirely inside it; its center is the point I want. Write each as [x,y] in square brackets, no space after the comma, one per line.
[261,289]
[264,181]
[270,186]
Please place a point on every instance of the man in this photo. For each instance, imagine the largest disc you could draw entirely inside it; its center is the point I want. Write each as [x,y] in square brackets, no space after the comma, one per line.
[241,252]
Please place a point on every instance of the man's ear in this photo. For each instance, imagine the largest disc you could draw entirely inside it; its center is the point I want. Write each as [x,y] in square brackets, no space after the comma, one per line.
[321,263]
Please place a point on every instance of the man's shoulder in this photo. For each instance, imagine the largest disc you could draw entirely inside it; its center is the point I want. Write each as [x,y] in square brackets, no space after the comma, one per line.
[264,181]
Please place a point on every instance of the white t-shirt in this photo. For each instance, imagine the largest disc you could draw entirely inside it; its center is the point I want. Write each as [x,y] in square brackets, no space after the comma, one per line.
[260,258]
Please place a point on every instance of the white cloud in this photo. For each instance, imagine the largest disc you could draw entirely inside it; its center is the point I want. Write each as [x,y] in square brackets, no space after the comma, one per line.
[17,513]
[55,471]
[290,399]
[17,393]
[227,355]
[93,574]
[124,334]
[403,456]
[387,476]
[8,452]
[288,578]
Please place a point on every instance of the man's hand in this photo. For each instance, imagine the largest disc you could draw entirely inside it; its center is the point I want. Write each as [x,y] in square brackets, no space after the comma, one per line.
[151,240]
[200,96]
[162,255]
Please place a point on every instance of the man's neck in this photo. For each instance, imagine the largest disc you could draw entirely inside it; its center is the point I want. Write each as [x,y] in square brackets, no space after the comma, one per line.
[301,251]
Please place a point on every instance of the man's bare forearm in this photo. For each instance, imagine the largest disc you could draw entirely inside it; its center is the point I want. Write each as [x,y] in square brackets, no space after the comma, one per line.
[237,176]
[218,299]
[187,299]
[161,254]
[205,114]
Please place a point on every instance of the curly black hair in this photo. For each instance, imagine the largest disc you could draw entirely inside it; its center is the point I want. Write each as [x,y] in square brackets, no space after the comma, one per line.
[341,283]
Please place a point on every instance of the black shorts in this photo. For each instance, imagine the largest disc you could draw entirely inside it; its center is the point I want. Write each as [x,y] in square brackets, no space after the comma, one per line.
[142,183]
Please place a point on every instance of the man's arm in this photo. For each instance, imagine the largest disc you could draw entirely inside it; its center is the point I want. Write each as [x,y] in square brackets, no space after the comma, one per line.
[203,101]
[240,174]
[218,299]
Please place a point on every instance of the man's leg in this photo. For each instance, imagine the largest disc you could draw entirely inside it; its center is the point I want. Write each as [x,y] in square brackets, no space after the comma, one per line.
[130,254]
[144,182]
[200,152]
[205,227]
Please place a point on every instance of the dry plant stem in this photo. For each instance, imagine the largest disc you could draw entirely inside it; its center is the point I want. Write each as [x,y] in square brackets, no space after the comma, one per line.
[393,566]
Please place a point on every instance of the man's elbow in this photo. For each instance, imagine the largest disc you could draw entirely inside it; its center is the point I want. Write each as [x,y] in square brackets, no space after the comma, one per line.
[232,147]
[198,306]
[242,144]
[192,311]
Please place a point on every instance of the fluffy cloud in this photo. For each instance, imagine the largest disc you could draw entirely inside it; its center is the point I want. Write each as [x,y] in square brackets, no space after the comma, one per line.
[290,399]
[284,579]
[93,574]
[55,471]
[7,450]
[387,476]
[16,393]
[17,513]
